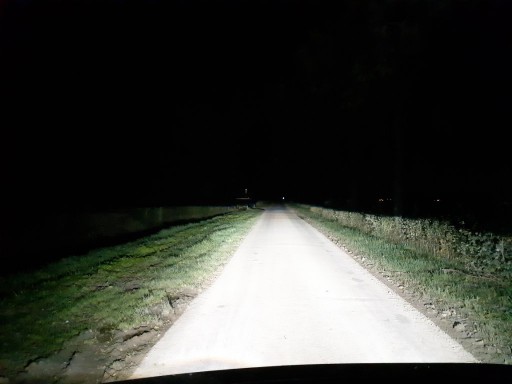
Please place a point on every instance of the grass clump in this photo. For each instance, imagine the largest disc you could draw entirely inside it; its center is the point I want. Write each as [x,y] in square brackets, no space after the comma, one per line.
[111,289]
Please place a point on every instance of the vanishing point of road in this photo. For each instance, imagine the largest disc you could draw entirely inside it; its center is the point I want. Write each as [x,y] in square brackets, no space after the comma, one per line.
[290,296]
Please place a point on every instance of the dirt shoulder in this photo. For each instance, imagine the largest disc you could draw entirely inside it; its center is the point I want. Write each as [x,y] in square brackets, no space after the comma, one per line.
[95,357]
[458,325]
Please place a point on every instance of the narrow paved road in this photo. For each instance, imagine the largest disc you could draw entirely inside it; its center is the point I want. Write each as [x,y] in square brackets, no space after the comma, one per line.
[290,296]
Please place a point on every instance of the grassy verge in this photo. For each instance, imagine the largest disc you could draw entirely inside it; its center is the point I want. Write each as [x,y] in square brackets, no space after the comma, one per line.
[114,288]
[483,299]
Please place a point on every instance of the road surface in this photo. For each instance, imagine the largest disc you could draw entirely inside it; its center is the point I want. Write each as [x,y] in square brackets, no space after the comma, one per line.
[290,296]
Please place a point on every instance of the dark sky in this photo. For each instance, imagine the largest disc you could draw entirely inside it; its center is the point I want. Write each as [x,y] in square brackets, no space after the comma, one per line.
[153,102]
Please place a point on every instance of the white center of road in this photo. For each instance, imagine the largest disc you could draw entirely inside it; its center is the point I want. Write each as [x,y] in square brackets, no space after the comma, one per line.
[290,296]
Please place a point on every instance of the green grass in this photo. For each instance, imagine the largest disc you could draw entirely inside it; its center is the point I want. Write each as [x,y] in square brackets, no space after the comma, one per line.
[484,297]
[129,285]
[111,289]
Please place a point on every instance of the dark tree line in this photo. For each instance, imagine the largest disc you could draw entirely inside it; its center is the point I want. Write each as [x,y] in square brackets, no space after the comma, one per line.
[336,103]
[412,95]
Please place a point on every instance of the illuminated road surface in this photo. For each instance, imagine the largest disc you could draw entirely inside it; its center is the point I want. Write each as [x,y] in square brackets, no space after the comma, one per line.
[290,296]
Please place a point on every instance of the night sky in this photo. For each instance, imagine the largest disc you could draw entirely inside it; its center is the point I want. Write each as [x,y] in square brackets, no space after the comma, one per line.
[118,103]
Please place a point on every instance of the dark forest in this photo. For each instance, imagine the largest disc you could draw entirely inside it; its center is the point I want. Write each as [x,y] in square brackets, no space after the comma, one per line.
[386,106]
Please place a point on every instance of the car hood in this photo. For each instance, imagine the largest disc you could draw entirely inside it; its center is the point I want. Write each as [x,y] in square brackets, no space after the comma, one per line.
[339,373]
